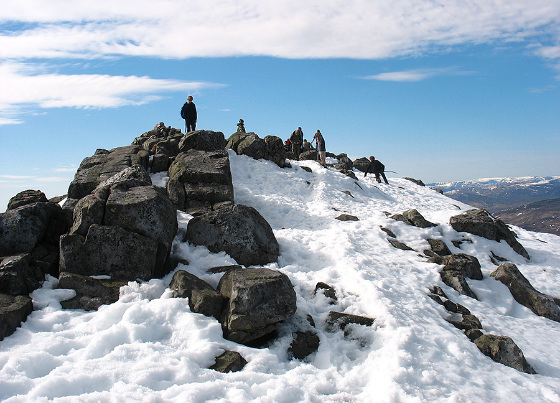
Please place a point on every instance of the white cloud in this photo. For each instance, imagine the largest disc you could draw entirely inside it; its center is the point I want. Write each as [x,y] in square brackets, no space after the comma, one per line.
[23,86]
[287,28]
[415,75]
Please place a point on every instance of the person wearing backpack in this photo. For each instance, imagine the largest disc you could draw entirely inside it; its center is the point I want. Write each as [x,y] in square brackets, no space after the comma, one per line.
[188,112]
[377,168]
[296,139]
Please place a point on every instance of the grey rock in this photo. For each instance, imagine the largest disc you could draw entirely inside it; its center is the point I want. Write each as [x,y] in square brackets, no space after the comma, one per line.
[439,247]
[203,298]
[467,265]
[229,361]
[249,144]
[257,299]
[238,230]
[303,345]
[361,164]
[347,217]
[91,293]
[26,197]
[18,276]
[480,222]
[467,322]
[88,210]
[311,155]
[417,219]
[327,290]
[112,251]
[524,293]
[398,244]
[503,349]
[202,140]
[417,181]
[456,280]
[338,320]
[13,311]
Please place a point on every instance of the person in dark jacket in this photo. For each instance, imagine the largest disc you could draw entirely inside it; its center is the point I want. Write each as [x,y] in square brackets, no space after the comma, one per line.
[377,168]
[188,112]
[296,139]
[320,144]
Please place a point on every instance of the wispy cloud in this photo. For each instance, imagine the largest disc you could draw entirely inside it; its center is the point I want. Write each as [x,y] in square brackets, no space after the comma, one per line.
[26,86]
[415,75]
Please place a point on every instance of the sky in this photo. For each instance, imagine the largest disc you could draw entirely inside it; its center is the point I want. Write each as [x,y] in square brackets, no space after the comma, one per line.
[150,347]
[439,91]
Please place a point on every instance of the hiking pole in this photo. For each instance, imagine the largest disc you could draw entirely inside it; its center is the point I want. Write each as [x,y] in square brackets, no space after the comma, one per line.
[392,172]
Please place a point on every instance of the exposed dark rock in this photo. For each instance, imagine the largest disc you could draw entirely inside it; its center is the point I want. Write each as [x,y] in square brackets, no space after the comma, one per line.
[524,293]
[238,230]
[112,251]
[13,311]
[304,344]
[338,320]
[229,361]
[26,197]
[467,265]
[417,219]
[438,291]
[223,269]
[18,276]
[202,140]
[503,349]
[388,232]
[456,280]
[89,210]
[310,155]
[417,181]
[203,298]
[456,308]
[307,169]
[467,322]
[328,291]
[344,163]
[275,150]
[481,223]
[439,247]
[361,164]
[398,244]
[91,293]
[249,144]
[347,217]
[257,299]
[473,334]
[401,218]
[347,172]
[200,179]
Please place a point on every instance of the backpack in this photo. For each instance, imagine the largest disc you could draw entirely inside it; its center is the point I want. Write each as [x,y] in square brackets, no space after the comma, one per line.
[183,112]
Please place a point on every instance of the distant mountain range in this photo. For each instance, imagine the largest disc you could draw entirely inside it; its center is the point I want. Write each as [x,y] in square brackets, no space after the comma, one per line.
[532,202]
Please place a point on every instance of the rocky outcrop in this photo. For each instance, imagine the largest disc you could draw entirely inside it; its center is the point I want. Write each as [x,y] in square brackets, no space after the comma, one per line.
[480,222]
[270,148]
[202,140]
[524,293]
[361,164]
[26,197]
[13,311]
[124,229]
[162,143]
[257,300]
[200,180]
[91,292]
[303,344]
[439,247]
[503,349]
[417,219]
[238,230]
[456,268]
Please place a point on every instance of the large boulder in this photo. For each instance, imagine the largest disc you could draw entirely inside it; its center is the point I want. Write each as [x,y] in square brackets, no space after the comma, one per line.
[202,140]
[91,292]
[257,299]
[13,311]
[24,227]
[418,219]
[27,197]
[275,150]
[524,293]
[456,268]
[250,144]
[18,276]
[200,179]
[238,230]
[203,298]
[361,164]
[503,349]
[480,222]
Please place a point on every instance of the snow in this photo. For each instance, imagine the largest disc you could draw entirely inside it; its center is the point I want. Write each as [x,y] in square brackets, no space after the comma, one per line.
[150,347]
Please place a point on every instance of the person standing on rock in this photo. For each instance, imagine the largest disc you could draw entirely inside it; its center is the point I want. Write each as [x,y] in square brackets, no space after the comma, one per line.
[188,112]
[320,144]
[296,139]
[377,168]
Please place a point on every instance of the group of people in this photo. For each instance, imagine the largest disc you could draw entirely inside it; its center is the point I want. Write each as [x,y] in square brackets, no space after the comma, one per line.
[296,143]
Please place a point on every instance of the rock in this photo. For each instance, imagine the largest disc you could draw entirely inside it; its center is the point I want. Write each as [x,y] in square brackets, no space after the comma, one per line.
[347,217]
[229,361]
[524,293]
[361,164]
[303,345]
[480,222]
[467,265]
[467,322]
[89,210]
[503,349]
[18,276]
[112,251]
[202,140]
[417,219]
[275,150]
[257,299]
[91,293]
[398,244]
[238,230]
[473,334]
[101,166]
[388,232]
[249,144]
[456,280]
[439,247]
[328,291]
[344,163]
[13,311]
[455,308]
[306,169]
[311,155]
[26,197]
[417,181]
[338,320]
[203,298]
[223,269]
[24,227]
[401,218]
[200,179]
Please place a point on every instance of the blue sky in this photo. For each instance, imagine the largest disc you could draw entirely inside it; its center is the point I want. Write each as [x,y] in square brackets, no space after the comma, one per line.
[436,90]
